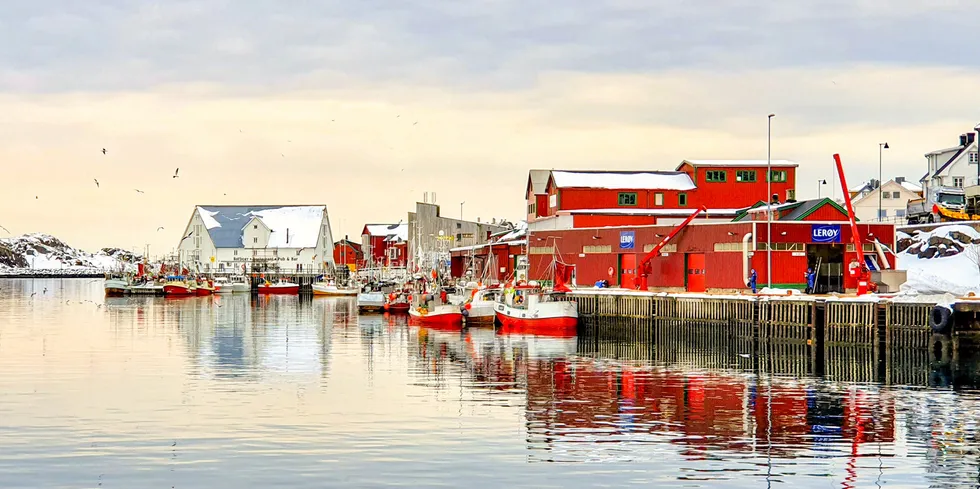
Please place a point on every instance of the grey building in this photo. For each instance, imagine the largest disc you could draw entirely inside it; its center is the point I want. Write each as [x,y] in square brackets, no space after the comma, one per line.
[431,236]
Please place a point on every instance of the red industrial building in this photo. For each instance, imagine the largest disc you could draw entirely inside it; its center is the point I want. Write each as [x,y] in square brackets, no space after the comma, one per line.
[717,256]
[347,252]
[385,245]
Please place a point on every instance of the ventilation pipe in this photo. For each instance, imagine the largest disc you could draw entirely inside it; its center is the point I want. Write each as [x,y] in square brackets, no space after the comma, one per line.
[879,248]
[746,257]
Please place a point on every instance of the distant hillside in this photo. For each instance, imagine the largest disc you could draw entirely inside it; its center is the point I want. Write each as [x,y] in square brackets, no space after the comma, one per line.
[43,254]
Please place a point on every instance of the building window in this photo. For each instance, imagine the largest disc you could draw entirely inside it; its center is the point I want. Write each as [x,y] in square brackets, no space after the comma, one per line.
[896,195]
[255,226]
[790,195]
[747,176]
[658,198]
[716,175]
[777,176]
[597,249]
[761,246]
[532,209]
[255,240]
[255,253]
[234,252]
[728,246]
[882,213]
[899,212]
[682,200]
[957,181]
[627,198]
[886,195]
[973,157]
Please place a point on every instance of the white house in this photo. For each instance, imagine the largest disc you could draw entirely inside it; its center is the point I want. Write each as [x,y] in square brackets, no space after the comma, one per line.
[246,238]
[895,196]
[953,167]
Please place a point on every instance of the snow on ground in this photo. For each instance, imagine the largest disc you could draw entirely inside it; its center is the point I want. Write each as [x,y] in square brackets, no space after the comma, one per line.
[956,274]
[43,253]
[302,223]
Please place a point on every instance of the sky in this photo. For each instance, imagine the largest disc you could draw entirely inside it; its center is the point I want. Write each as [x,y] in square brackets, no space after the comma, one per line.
[365,105]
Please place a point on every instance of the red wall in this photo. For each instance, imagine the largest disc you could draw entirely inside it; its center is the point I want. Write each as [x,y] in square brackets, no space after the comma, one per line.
[734,195]
[343,254]
[595,221]
[379,252]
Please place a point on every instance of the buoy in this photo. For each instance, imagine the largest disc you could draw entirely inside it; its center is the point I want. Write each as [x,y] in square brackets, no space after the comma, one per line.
[468,306]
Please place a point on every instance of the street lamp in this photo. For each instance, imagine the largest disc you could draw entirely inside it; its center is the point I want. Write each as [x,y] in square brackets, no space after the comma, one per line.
[461,210]
[820,184]
[769,200]
[881,148]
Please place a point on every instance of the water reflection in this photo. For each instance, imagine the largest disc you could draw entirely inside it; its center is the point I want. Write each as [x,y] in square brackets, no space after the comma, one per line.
[286,391]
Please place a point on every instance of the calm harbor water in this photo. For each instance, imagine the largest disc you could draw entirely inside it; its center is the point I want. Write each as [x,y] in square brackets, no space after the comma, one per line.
[232,391]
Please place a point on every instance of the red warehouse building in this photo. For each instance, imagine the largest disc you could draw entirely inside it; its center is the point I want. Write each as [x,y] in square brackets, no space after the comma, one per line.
[717,256]
[385,245]
[347,252]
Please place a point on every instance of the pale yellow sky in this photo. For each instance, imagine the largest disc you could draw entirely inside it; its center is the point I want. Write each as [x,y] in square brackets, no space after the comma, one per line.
[360,151]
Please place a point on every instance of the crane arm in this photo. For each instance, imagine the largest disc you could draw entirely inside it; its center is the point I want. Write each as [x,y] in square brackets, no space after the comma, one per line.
[643,268]
[855,236]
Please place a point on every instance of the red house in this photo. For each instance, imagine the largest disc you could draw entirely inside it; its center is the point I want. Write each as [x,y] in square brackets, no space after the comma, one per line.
[537,194]
[347,252]
[385,245]
[739,183]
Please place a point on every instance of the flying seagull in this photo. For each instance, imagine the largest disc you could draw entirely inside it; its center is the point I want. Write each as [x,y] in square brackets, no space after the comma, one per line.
[159,228]
[138,190]
[103,150]
[414,123]
[96,181]
[176,172]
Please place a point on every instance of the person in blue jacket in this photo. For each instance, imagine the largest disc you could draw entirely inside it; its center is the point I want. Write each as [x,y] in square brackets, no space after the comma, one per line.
[753,281]
[811,279]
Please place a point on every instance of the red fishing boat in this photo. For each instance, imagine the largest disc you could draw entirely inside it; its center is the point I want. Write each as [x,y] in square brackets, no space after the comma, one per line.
[176,286]
[527,308]
[444,316]
[281,287]
[204,287]
[397,302]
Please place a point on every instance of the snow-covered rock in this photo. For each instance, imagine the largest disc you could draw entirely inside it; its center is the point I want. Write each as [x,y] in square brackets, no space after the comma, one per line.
[944,260]
[46,254]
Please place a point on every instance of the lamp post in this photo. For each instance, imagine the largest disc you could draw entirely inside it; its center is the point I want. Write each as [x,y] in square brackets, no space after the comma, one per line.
[820,184]
[461,210]
[881,148]
[769,200]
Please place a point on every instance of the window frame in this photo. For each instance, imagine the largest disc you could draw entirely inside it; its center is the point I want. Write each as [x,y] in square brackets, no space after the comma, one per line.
[753,173]
[682,199]
[784,177]
[658,199]
[716,176]
[620,196]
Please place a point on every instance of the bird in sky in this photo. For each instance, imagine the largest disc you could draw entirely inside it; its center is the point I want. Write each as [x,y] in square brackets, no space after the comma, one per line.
[5,229]
[159,228]
[138,190]
[414,123]
[96,181]
[103,150]
[176,172]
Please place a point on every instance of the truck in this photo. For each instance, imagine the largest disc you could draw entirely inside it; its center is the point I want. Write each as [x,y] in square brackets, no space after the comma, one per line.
[939,205]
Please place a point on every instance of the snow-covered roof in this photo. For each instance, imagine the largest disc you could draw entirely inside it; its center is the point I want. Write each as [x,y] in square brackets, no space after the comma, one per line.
[538,180]
[911,187]
[516,242]
[519,231]
[398,231]
[653,212]
[741,163]
[623,180]
[293,226]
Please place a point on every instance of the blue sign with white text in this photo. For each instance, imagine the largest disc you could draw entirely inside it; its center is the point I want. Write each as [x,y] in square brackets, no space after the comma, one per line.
[627,239]
[825,233]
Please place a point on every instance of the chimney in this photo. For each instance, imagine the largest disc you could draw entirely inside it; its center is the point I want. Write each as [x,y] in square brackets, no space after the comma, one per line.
[899,180]
[962,139]
[970,137]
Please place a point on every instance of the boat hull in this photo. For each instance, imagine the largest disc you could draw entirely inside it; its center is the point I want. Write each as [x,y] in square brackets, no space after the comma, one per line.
[116,288]
[223,289]
[446,317]
[202,291]
[400,307]
[237,288]
[479,314]
[552,319]
[292,289]
[177,290]
[332,291]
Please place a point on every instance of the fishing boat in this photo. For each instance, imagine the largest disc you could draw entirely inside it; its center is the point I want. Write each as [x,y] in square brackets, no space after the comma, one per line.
[240,285]
[204,287]
[116,285]
[441,315]
[282,287]
[222,286]
[176,286]
[330,289]
[479,308]
[398,302]
[371,301]
[527,308]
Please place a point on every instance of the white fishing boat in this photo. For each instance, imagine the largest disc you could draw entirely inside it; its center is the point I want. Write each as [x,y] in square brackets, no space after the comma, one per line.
[332,289]
[372,301]
[116,285]
[240,285]
[479,308]
[222,285]
[529,309]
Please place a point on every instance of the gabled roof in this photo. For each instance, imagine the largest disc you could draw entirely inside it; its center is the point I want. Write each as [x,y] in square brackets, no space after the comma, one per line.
[623,180]
[396,231]
[537,182]
[740,163]
[797,211]
[292,226]
[353,244]
[952,159]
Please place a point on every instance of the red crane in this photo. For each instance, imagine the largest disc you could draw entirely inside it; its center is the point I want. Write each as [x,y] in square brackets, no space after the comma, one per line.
[643,268]
[862,272]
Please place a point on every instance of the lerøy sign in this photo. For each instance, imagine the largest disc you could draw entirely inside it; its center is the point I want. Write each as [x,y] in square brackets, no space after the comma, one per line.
[825,233]
[627,240]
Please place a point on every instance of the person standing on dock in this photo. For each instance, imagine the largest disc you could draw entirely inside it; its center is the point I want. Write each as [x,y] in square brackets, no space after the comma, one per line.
[811,279]
[753,281]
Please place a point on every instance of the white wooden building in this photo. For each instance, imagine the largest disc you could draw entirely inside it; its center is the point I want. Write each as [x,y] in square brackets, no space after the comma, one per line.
[223,238]
[895,196]
[953,167]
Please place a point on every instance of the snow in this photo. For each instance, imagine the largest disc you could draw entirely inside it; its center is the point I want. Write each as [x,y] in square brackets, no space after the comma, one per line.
[302,223]
[45,254]
[743,163]
[911,187]
[956,274]
[624,180]
[208,218]
[400,230]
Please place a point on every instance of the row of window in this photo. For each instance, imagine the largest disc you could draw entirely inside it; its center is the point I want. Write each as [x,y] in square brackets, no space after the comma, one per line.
[629,199]
[746,176]
[891,195]
[883,213]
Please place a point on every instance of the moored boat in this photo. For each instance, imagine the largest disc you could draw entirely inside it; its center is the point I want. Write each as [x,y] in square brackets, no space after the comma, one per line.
[116,285]
[222,286]
[281,287]
[204,287]
[372,301]
[176,286]
[439,316]
[397,302]
[330,289]
[240,284]
[479,308]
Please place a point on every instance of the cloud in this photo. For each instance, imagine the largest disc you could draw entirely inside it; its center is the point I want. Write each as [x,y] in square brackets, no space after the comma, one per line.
[62,45]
